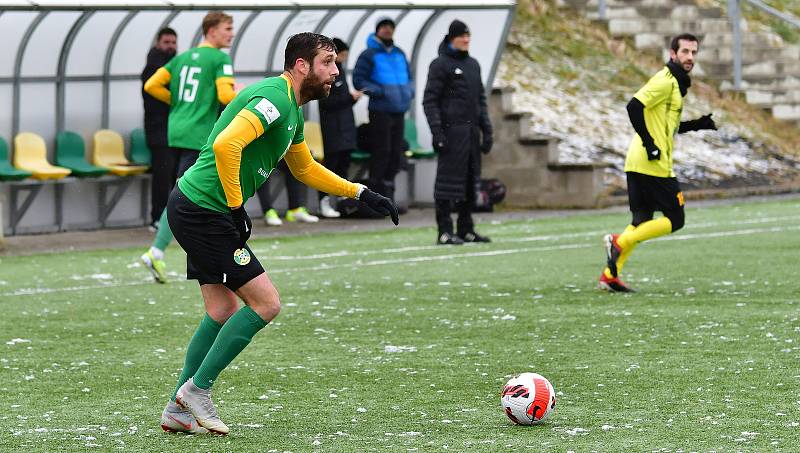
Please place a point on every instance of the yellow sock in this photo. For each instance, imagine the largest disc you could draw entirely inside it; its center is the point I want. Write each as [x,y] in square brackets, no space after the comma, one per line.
[645,231]
[626,251]
[623,256]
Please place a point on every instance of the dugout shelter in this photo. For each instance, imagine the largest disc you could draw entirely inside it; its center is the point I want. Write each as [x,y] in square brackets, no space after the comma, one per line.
[74,66]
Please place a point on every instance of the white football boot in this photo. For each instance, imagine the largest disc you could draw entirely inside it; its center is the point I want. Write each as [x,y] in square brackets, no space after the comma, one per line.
[177,420]
[198,402]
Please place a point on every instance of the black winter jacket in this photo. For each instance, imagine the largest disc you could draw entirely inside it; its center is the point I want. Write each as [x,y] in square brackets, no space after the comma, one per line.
[155,111]
[455,106]
[336,117]
[454,93]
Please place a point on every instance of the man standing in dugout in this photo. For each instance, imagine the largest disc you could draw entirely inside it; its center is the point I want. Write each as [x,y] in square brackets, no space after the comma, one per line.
[382,72]
[455,105]
[655,113]
[156,113]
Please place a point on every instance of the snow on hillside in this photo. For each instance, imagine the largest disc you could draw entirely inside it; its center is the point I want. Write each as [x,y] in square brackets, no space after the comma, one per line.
[593,127]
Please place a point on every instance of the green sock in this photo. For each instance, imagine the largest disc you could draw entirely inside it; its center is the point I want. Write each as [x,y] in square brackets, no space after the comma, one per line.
[164,234]
[199,345]
[234,336]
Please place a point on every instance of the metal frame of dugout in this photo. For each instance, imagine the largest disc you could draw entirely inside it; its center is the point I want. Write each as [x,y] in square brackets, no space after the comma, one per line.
[82,59]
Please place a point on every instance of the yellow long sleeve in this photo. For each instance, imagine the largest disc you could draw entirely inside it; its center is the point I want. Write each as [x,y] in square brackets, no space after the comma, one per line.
[157,84]
[225,92]
[312,173]
[228,146]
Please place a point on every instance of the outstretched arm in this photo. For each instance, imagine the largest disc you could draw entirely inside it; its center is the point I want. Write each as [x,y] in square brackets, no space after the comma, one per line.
[312,173]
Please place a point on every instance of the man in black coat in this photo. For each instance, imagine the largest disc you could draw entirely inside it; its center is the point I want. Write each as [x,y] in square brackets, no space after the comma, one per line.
[164,162]
[338,126]
[455,105]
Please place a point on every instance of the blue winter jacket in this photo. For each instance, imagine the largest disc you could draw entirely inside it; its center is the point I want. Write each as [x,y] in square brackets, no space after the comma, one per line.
[384,75]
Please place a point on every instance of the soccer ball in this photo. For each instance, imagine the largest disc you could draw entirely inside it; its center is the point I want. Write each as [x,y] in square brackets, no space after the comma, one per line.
[528,399]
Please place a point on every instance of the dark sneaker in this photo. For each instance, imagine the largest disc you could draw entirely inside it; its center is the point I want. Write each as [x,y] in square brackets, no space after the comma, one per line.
[613,252]
[449,239]
[474,237]
[613,285]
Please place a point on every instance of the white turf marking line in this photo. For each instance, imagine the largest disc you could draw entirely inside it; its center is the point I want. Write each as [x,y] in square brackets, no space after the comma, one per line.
[419,259]
[547,237]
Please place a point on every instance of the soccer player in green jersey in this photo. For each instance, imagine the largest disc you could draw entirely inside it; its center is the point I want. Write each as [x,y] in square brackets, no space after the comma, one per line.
[261,126]
[655,113]
[195,84]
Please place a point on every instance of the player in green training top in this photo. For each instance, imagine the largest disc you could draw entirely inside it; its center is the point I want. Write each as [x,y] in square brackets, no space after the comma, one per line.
[195,84]
[261,126]
[655,113]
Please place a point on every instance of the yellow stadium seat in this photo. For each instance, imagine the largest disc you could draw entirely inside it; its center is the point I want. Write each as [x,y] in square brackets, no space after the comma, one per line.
[109,152]
[30,154]
[313,134]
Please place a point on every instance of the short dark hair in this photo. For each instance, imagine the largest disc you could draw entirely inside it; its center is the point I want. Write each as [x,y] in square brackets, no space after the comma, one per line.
[675,44]
[341,46]
[306,46]
[214,18]
[165,31]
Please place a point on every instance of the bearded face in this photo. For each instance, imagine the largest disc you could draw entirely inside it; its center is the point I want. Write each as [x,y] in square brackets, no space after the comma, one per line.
[314,87]
[323,72]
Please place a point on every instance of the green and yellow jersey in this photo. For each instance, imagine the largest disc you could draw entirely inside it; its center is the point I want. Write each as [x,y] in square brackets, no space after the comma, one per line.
[663,104]
[199,80]
[262,125]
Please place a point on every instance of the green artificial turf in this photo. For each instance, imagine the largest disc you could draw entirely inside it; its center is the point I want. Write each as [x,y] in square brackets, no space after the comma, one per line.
[388,343]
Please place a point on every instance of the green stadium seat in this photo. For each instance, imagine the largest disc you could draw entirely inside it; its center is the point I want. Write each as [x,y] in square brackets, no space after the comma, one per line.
[415,151]
[359,156]
[71,153]
[140,152]
[7,172]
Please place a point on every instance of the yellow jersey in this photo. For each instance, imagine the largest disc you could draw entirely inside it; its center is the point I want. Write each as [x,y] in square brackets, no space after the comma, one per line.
[663,104]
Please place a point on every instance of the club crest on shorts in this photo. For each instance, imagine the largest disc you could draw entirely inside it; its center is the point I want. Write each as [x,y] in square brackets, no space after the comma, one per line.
[241,256]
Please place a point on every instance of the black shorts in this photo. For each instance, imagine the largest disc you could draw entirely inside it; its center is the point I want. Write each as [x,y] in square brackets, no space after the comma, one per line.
[211,242]
[652,193]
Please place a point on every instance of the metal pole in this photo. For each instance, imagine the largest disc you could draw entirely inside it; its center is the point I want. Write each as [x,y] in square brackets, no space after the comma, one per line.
[242,30]
[734,13]
[15,102]
[112,44]
[62,68]
[601,9]
[274,47]
[499,52]
[415,53]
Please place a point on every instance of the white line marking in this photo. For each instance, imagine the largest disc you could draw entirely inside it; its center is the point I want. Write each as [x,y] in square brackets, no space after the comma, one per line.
[419,259]
[540,238]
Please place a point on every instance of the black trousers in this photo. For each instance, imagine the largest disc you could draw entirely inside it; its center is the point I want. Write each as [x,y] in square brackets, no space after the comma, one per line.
[164,167]
[386,131]
[464,208]
[295,190]
[337,162]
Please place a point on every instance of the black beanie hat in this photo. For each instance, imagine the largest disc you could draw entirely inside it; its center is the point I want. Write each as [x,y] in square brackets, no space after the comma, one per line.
[341,46]
[457,28]
[384,21]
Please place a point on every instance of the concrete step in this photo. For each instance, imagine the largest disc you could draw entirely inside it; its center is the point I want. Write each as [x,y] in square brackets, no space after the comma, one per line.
[779,85]
[786,112]
[750,54]
[670,27]
[725,39]
[766,70]
[772,98]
